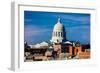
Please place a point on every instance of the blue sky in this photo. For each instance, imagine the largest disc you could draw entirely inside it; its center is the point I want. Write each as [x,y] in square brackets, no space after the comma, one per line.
[38,26]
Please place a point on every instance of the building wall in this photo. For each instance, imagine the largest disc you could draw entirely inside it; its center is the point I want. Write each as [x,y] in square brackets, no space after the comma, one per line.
[72,50]
[57,47]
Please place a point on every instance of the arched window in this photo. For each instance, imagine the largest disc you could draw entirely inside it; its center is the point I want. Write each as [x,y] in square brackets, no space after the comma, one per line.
[56,34]
[59,34]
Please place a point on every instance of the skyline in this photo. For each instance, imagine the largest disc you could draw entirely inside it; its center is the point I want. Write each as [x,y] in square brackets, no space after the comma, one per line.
[41,24]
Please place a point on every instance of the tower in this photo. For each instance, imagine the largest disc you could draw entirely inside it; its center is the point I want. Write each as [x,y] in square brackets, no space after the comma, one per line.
[59,33]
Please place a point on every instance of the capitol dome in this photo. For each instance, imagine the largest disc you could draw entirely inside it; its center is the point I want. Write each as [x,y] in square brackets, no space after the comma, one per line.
[58,34]
[58,26]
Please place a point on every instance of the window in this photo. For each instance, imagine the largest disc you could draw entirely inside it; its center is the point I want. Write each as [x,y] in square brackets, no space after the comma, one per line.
[56,33]
[59,34]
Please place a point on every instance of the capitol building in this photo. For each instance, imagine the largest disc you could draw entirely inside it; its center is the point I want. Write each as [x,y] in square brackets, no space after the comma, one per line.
[59,33]
[59,48]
